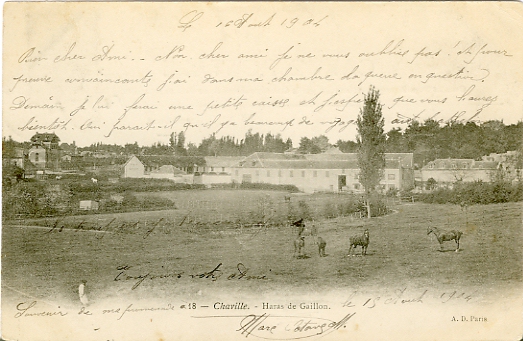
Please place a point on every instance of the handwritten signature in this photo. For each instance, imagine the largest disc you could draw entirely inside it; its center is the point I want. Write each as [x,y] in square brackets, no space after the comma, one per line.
[289,327]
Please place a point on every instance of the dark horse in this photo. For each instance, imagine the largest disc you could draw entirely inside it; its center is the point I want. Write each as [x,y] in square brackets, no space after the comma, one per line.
[444,236]
[300,224]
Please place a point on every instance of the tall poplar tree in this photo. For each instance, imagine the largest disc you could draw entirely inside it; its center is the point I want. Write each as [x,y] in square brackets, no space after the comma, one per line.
[371,144]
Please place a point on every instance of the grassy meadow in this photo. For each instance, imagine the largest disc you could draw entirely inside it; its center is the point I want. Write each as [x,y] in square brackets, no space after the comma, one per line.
[181,253]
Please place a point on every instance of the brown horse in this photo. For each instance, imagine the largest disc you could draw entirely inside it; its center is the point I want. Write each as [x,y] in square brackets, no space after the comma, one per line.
[360,240]
[299,244]
[444,236]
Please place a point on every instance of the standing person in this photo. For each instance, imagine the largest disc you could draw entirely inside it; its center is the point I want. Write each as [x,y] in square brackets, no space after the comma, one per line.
[82,293]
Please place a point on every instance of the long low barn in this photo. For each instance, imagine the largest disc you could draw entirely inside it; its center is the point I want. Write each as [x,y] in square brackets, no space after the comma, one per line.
[321,172]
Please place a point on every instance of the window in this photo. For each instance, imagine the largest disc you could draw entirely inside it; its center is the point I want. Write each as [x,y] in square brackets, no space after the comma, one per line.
[315,173]
[291,174]
[268,173]
[392,176]
[223,169]
[453,166]
[212,169]
[356,176]
[327,174]
[356,186]
[37,157]
[431,165]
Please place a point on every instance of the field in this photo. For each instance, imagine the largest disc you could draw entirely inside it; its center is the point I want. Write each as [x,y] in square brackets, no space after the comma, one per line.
[172,256]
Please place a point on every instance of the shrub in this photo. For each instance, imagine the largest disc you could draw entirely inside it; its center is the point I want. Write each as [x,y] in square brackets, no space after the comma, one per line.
[263,186]
[431,184]
[330,210]
[129,201]
[477,192]
[156,202]
[348,207]
[304,210]
[392,192]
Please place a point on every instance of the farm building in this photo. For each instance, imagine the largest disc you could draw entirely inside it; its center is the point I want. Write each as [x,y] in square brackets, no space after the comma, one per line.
[133,168]
[168,172]
[217,170]
[333,172]
[448,171]
[219,164]
[153,167]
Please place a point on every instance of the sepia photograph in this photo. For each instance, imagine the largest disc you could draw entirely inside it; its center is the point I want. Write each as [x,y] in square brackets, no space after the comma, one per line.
[262,170]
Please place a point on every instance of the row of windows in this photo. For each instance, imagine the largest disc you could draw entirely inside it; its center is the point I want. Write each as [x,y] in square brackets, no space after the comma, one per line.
[314,174]
[382,187]
[198,169]
[452,165]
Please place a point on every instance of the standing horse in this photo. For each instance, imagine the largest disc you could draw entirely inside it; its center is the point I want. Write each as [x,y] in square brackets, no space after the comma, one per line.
[299,244]
[444,236]
[361,240]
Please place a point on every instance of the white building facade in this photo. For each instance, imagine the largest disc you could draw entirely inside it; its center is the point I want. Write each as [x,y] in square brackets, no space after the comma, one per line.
[321,172]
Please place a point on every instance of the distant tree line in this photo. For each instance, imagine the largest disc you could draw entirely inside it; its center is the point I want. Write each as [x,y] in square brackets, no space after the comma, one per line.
[427,140]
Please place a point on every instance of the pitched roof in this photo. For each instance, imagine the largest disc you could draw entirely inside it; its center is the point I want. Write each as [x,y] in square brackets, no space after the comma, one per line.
[460,164]
[318,161]
[45,137]
[222,161]
[485,165]
[168,169]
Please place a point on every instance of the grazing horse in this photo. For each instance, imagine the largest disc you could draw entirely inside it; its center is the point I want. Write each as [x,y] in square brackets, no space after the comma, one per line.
[444,236]
[95,181]
[299,244]
[361,240]
[321,246]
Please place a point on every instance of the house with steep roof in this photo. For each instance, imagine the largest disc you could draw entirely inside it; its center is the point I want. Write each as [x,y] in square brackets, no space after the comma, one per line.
[133,168]
[334,172]
[45,152]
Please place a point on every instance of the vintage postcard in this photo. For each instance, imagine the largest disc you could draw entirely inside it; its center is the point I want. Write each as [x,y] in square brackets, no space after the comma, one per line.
[262,170]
